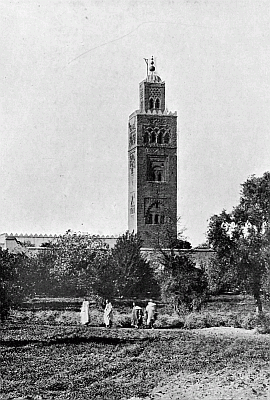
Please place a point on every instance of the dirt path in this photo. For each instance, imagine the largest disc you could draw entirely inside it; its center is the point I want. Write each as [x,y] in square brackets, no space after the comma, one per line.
[248,384]
[234,332]
[240,385]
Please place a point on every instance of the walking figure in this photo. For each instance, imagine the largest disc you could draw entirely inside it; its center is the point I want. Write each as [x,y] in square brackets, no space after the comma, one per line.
[108,314]
[151,314]
[137,316]
[85,319]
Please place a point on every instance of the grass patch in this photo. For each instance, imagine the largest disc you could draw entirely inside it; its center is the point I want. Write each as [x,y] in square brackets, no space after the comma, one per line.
[64,362]
[47,353]
[232,311]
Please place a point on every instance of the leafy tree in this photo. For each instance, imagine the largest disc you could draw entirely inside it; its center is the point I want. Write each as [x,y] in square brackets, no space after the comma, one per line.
[254,206]
[181,282]
[42,278]
[133,275]
[6,281]
[222,276]
[181,244]
[15,270]
[104,282]
[76,263]
[242,238]
[184,285]
[252,217]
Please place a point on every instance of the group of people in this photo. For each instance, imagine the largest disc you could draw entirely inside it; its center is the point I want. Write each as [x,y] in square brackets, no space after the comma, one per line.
[138,317]
[107,316]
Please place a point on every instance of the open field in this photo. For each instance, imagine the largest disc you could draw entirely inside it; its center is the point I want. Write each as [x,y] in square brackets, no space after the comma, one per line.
[54,362]
[226,310]
[46,354]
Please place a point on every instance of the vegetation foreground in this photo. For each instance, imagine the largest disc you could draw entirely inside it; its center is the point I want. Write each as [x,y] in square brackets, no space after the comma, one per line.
[75,362]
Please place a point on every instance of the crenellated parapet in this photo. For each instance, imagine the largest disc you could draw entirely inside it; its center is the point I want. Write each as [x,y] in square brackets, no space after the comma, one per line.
[34,242]
[154,112]
[31,235]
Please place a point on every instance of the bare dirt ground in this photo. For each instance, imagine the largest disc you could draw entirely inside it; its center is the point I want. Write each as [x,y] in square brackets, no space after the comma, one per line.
[243,384]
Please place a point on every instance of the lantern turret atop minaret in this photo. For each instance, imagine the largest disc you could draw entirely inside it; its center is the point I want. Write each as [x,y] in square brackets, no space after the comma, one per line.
[152,90]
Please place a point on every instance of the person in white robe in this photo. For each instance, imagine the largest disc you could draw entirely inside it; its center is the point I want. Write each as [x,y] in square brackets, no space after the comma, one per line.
[85,319]
[151,314]
[108,314]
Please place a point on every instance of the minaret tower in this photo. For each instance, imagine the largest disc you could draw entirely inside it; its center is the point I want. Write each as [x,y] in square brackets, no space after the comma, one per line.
[152,177]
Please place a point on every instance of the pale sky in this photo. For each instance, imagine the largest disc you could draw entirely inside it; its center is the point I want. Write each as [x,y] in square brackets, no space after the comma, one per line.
[70,73]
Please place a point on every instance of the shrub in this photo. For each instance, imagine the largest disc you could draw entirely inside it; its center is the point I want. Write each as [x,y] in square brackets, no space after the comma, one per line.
[260,322]
[197,321]
[169,321]
[183,285]
[263,325]
[67,318]
[122,320]
[234,320]
[208,320]
[96,317]
[21,316]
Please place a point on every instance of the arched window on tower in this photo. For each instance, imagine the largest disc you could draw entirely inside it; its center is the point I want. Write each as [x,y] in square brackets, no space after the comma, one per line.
[151,103]
[159,138]
[166,138]
[149,219]
[155,213]
[158,174]
[153,137]
[157,105]
[146,138]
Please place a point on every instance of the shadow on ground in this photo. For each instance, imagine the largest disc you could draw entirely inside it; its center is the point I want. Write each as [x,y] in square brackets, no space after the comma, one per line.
[72,340]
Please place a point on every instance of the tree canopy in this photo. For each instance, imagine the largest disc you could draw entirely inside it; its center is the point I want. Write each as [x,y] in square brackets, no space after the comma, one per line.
[15,282]
[133,275]
[182,283]
[241,238]
[76,262]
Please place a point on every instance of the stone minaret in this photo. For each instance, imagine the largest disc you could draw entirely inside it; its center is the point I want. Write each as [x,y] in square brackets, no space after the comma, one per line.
[152,176]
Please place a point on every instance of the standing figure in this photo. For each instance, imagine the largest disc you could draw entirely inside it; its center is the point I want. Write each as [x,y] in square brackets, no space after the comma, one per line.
[85,319]
[151,314]
[137,316]
[108,314]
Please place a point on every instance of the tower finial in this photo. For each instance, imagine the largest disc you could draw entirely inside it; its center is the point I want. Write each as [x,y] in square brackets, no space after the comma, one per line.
[152,67]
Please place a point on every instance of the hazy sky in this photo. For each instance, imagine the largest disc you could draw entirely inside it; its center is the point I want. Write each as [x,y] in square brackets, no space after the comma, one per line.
[70,73]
